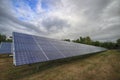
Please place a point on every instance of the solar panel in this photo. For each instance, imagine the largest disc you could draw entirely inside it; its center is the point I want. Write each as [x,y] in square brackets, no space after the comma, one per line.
[32,49]
[5,48]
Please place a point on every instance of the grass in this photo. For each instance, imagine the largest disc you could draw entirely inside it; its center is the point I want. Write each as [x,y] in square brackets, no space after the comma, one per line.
[99,66]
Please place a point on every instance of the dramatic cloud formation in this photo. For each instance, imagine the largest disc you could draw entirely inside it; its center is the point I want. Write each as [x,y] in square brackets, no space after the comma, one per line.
[99,19]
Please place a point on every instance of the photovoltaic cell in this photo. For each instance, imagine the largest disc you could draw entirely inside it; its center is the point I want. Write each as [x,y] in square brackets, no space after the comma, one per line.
[48,48]
[32,49]
[6,48]
[26,50]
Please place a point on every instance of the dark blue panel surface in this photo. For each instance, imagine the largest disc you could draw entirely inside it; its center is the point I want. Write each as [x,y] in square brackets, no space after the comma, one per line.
[51,52]
[31,49]
[5,48]
[26,50]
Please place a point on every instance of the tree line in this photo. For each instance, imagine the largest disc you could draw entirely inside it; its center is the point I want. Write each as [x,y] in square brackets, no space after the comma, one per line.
[3,38]
[83,40]
[89,41]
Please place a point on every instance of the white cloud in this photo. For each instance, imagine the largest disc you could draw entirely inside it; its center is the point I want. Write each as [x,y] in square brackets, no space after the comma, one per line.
[63,18]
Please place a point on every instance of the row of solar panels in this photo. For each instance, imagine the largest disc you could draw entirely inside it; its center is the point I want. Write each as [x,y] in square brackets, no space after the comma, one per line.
[28,49]
[5,48]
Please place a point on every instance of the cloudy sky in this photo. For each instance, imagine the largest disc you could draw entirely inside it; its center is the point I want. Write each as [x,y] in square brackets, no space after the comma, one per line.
[99,19]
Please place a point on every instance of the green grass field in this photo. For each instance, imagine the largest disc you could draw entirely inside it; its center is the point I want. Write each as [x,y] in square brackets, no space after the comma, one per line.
[99,66]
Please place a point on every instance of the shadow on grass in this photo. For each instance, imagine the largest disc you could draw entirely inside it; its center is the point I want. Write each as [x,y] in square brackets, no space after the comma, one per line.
[5,56]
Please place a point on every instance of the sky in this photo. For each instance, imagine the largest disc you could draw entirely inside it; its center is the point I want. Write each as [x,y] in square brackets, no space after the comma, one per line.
[61,19]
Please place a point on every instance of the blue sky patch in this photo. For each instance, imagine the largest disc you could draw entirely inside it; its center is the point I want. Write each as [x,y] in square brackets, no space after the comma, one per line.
[31,3]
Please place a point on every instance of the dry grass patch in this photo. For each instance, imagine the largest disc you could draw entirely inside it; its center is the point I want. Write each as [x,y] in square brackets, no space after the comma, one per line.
[101,66]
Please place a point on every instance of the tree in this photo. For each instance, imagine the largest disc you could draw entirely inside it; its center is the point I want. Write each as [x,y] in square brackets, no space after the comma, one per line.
[78,41]
[8,40]
[118,43]
[81,40]
[2,38]
[108,45]
[87,40]
[96,43]
[67,40]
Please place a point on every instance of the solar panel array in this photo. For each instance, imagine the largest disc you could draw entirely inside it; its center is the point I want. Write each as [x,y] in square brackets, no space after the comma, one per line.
[5,48]
[32,49]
